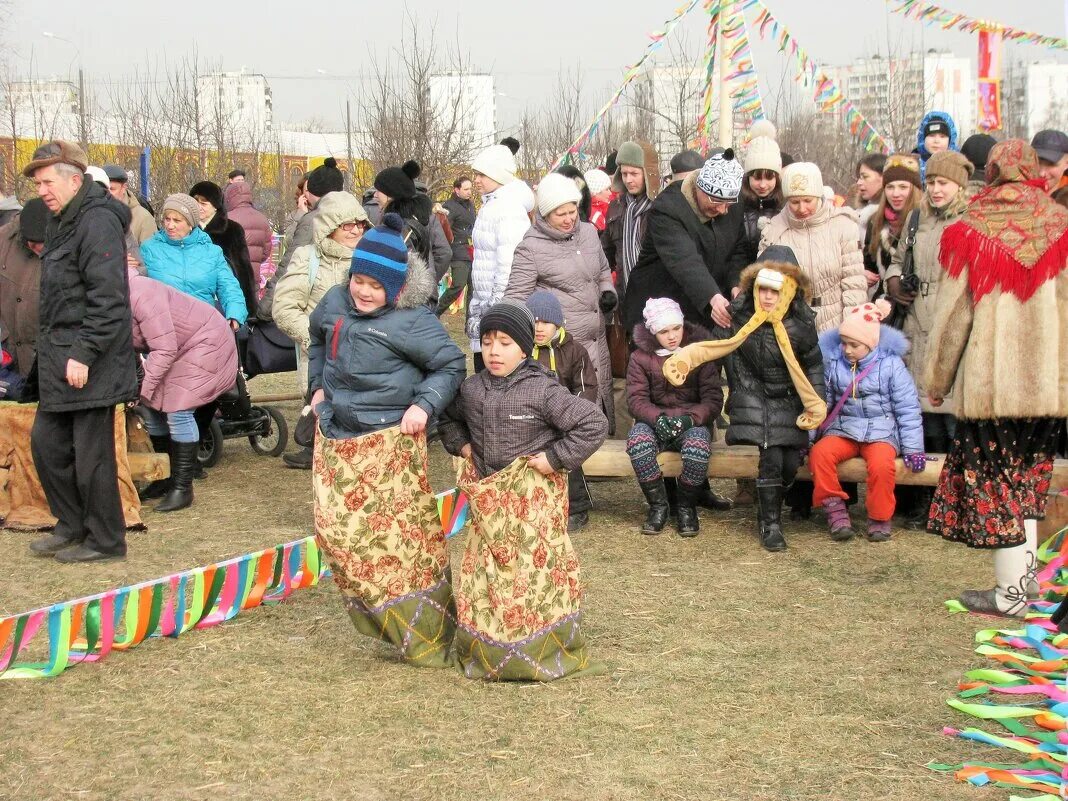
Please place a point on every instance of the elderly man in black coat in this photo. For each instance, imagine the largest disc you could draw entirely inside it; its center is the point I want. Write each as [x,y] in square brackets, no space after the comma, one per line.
[694,246]
[85,357]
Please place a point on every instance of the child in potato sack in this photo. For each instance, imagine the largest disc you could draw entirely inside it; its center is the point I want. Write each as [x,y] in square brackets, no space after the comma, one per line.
[518,597]
[670,418]
[774,375]
[875,414]
[558,352]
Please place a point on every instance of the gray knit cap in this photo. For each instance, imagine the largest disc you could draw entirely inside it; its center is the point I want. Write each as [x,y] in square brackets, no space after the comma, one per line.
[184,205]
[512,318]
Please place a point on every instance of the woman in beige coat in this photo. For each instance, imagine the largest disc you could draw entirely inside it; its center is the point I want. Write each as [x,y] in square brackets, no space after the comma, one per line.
[313,271]
[944,201]
[824,239]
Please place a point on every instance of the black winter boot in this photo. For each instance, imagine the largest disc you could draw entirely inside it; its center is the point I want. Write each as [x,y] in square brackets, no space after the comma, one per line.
[686,515]
[708,498]
[656,495]
[157,489]
[917,520]
[183,464]
[769,499]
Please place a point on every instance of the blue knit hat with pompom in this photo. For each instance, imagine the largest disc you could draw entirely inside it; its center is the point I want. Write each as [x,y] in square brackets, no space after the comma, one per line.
[382,255]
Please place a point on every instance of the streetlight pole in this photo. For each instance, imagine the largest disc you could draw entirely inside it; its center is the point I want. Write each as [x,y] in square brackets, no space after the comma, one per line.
[81,87]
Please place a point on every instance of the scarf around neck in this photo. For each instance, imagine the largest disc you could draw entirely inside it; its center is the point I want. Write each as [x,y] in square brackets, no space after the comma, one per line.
[678,366]
[1012,235]
[632,232]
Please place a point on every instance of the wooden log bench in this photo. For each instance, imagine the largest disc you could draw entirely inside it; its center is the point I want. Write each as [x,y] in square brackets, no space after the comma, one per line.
[740,461]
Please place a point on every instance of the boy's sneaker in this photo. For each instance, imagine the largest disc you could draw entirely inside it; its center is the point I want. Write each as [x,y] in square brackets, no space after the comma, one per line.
[577,521]
[838,519]
[878,530]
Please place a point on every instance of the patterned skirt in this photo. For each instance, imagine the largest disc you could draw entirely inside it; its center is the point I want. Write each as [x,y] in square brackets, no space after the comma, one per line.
[996,475]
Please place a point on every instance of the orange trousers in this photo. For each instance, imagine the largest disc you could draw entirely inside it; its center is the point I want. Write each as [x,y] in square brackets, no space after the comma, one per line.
[829,452]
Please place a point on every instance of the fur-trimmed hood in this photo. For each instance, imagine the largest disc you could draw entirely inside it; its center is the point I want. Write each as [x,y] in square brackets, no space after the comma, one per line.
[419,286]
[891,342]
[749,274]
[646,341]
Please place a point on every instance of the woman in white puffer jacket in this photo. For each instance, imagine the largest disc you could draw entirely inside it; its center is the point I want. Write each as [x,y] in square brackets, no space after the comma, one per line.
[499,227]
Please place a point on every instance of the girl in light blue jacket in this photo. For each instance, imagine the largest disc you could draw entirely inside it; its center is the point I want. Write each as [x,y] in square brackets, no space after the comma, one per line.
[184,257]
[874,414]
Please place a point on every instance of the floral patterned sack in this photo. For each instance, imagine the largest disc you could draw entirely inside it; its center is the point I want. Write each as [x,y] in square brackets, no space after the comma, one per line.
[376,520]
[518,599]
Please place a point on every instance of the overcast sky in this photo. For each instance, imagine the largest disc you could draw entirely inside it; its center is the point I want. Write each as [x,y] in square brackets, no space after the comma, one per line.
[523,44]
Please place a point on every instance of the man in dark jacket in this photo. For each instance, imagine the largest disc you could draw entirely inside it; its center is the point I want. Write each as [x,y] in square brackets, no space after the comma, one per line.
[694,248]
[21,243]
[462,219]
[85,357]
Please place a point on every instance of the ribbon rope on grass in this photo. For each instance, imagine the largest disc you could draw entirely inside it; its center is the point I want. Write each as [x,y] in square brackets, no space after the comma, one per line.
[1026,694]
[89,629]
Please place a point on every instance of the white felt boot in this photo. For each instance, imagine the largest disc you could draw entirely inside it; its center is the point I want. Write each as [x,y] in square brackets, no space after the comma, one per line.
[1014,573]
[1031,533]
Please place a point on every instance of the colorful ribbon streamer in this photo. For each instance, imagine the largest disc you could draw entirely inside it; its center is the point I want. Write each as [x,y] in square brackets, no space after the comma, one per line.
[88,629]
[657,38]
[949,20]
[742,75]
[1032,663]
[826,93]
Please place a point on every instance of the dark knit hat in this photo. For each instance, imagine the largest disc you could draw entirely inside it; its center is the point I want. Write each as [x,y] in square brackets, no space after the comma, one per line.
[901,167]
[33,219]
[686,161]
[936,125]
[398,183]
[512,318]
[325,179]
[382,255]
[976,148]
[210,191]
[545,306]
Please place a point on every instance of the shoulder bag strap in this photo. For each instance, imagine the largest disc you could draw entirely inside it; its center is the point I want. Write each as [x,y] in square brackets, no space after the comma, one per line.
[845,396]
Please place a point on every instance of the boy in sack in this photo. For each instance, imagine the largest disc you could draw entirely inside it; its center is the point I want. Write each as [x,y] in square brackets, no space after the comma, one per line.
[875,414]
[774,375]
[670,418]
[558,352]
[519,594]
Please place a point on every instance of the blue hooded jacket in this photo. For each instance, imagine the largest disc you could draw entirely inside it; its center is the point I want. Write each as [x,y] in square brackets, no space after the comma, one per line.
[195,265]
[954,136]
[887,406]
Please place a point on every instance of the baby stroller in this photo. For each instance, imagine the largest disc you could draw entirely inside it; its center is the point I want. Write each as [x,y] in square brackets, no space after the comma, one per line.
[233,416]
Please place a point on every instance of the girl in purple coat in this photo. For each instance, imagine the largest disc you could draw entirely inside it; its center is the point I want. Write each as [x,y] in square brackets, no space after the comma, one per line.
[670,418]
[191,361]
[875,414]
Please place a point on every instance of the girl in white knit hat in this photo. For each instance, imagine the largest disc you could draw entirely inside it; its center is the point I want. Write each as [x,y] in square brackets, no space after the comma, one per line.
[762,196]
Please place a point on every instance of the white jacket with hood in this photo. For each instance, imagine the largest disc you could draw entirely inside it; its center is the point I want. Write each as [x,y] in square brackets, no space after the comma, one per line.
[499,228]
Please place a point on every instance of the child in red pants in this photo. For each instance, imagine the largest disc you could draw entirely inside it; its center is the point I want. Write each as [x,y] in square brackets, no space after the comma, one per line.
[875,414]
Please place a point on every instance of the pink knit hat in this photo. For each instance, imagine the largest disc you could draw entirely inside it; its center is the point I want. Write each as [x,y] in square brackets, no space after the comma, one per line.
[661,313]
[862,322]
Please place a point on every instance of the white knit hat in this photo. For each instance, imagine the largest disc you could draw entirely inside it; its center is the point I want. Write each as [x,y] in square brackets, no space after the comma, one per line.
[772,279]
[98,175]
[554,191]
[763,154]
[721,177]
[661,313]
[497,163]
[597,181]
[763,128]
[802,179]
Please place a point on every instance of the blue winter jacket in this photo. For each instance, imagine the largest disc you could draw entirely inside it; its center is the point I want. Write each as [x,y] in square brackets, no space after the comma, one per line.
[196,266]
[954,136]
[373,366]
[886,406]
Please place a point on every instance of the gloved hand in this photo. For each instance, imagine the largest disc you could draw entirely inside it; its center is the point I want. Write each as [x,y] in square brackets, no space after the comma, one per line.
[916,462]
[607,302]
[667,428]
[684,422]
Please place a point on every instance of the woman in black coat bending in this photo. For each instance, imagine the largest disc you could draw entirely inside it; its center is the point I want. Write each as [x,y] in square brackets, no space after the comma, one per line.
[229,236]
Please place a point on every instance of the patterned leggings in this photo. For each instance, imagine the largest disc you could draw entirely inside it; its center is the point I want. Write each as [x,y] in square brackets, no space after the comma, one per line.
[695,446]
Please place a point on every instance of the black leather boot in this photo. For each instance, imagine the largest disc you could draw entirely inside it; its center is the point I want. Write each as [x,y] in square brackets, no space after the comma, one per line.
[769,499]
[917,519]
[656,495]
[157,489]
[708,498]
[183,464]
[686,515]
